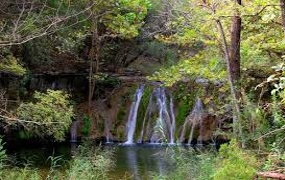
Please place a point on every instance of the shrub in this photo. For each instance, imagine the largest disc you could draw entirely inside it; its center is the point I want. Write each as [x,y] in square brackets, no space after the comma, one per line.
[234,163]
[189,165]
[90,164]
[86,125]
[3,155]
[11,65]
[50,115]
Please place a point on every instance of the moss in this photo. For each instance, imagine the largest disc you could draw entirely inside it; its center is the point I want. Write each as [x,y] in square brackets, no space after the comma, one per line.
[185,95]
[22,134]
[121,115]
[142,109]
[86,125]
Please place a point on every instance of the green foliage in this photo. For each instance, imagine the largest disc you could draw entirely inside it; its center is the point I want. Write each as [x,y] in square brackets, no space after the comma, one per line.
[50,115]
[234,163]
[127,16]
[10,64]
[122,18]
[121,115]
[189,165]
[3,155]
[193,67]
[254,122]
[90,164]
[275,159]
[86,125]
[38,52]
[22,134]
[161,51]
[275,134]
[20,174]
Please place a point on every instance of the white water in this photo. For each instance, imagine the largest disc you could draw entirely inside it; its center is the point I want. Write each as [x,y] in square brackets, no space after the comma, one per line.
[164,119]
[73,131]
[196,114]
[173,123]
[132,119]
[192,120]
[146,117]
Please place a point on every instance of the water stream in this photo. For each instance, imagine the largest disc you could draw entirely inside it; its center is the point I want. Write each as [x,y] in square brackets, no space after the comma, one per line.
[132,119]
[73,131]
[155,129]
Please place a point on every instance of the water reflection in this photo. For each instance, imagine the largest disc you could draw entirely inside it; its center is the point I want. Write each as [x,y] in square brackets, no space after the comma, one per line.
[141,161]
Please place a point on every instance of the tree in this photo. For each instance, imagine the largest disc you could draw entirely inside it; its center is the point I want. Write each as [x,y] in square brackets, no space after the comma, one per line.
[235,46]
[112,19]
[218,25]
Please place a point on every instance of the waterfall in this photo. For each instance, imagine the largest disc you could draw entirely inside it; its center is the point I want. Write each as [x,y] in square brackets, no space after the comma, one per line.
[146,117]
[132,119]
[165,123]
[107,125]
[73,131]
[173,124]
[192,120]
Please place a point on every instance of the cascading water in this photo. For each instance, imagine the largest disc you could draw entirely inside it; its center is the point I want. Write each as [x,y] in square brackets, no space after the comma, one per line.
[146,117]
[164,123]
[73,131]
[192,121]
[173,124]
[132,119]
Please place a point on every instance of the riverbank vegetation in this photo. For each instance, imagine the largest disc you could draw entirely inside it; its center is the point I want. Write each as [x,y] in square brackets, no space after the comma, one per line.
[87,163]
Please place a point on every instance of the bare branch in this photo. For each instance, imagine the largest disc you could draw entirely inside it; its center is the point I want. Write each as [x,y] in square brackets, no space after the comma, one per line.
[54,24]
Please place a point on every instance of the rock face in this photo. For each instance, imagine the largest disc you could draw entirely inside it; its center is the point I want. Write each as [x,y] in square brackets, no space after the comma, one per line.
[199,125]
[207,128]
[155,121]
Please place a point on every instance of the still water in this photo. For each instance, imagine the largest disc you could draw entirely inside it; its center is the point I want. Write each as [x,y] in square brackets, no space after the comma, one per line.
[136,162]
[141,161]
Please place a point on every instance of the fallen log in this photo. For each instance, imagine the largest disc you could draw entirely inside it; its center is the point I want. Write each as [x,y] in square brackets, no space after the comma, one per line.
[272,175]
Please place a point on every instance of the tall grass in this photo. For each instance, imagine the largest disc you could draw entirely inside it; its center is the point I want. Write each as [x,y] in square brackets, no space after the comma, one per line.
[89,163]
[189,165]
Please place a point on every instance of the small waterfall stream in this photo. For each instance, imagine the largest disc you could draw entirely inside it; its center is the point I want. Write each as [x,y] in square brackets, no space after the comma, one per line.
[73,131]
[132,119]
[173,124]
[192,120]
[165,122]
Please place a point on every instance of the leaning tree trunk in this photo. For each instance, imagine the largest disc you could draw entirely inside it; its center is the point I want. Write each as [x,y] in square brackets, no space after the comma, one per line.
[236,116]
[232,55]
[282,6]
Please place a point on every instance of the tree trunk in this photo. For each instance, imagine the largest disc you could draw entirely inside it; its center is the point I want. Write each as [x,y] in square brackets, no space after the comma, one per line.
[282,6]
[271,175]
[94,56]
[235,47]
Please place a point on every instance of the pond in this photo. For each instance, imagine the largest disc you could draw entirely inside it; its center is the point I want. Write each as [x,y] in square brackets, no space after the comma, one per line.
[139,161]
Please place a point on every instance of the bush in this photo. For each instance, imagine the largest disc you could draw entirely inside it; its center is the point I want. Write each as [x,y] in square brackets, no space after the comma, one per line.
[86,125]
[234,163]
[11,65]
[189,165]
[50,115]
[3,155]
[90,164]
